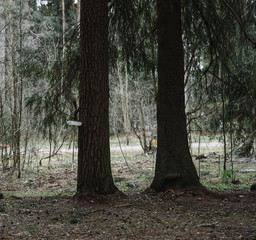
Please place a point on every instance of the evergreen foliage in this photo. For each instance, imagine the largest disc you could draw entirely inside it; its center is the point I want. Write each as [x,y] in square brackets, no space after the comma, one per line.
[219,69]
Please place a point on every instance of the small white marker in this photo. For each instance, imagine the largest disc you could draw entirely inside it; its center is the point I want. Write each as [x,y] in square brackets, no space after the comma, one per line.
[74,123]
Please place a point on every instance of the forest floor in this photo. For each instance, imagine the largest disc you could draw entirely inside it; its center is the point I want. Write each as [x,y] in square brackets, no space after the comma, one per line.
[177,214]
[40,204]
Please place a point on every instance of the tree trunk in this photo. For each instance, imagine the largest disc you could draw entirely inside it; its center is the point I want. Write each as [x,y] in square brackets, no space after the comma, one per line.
[14,95]
[20,89]
[143,125]
[94,170]
[4,95]
[78,10]
[63,44]
[224,131]
[123,84]
[174,166]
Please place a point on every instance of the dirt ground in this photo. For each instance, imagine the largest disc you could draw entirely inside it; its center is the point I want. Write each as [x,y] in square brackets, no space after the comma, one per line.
[40,205]
[177,214]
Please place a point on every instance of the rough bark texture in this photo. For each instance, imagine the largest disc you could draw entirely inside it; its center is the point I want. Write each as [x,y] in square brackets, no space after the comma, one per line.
[174,166]
[94,170]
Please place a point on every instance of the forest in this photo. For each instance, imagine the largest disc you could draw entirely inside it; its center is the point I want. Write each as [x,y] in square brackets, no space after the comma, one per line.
[127,119]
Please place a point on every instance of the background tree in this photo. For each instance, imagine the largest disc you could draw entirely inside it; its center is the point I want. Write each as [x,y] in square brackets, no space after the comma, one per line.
[15,18]
[33,33]
[44,39]
[133,58]
[221,70]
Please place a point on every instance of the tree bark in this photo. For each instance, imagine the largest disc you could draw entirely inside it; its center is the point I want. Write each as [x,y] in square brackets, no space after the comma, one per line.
[174,166]
[94,170]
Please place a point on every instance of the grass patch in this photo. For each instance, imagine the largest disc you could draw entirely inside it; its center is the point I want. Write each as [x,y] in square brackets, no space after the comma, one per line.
[73,221]
[119,179]
[131,170]
[32,228]
[228,176]
[225,186]
[2,208]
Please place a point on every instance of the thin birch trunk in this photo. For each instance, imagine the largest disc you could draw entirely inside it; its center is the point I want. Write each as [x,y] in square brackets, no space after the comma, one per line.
[124,88]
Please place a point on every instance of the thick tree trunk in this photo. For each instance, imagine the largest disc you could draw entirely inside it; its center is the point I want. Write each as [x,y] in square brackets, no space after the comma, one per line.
[174,166]
[94,170]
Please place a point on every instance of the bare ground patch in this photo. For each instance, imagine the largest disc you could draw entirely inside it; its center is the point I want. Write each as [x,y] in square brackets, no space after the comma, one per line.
[40,205]
[177,214]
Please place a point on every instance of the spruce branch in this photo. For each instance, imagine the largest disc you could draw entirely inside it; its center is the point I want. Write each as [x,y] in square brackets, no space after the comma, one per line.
[239,22]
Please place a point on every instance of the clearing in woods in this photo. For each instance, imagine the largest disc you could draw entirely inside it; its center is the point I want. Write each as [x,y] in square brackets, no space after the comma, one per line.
[40,205]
